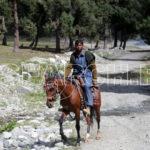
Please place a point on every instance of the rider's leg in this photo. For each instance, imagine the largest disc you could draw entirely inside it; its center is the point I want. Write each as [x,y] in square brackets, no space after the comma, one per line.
[89,99]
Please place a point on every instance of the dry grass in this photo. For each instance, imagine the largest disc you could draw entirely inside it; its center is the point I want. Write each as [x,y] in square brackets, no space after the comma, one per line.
[7,55]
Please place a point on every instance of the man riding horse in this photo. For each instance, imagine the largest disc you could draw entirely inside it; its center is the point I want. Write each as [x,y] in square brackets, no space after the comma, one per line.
[83,64]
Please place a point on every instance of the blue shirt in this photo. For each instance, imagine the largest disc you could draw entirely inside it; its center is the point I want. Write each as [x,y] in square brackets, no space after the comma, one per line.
[80,68]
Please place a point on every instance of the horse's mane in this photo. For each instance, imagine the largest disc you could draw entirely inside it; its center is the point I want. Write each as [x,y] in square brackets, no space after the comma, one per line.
[59,76]
[54,74]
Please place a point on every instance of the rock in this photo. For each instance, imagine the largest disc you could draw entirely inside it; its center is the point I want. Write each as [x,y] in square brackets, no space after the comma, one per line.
[1,145]
[47,148]
[22,137]
[30,67]
[41,138]
[6,144]
[39,60]
[57,57]
[63,62]
[40,118]
[20,121]
[60,72]
[17,131]
[14,144]
[51,135]
[34,135]
[60,144]
[10,141]
[35,121]
[22,90]
[67,132]
[54,148]
[52,60]
[7,135]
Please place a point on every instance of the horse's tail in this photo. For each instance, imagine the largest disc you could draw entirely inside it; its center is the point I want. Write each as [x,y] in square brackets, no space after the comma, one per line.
[92,115]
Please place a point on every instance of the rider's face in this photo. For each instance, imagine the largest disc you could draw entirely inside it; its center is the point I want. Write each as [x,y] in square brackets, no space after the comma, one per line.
[79,47]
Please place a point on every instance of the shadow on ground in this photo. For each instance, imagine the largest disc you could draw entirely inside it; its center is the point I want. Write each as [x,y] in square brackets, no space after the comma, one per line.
[70,142]
[123,111]
[126,89]
[45,49]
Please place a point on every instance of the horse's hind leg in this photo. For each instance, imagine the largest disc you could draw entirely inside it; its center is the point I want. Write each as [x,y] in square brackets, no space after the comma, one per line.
[97,110]
[63,137]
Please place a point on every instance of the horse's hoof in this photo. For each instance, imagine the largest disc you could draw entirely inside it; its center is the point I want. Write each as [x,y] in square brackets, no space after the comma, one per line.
[64,138]
[98,138]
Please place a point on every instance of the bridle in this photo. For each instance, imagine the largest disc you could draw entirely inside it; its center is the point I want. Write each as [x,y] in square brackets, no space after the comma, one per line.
[51,86]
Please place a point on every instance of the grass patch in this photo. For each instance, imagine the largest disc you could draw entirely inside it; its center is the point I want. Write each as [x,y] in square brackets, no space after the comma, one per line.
[34,100]
[145,74]
[147,58]
[73,136]
[8,126]
[7,56]
[28,123]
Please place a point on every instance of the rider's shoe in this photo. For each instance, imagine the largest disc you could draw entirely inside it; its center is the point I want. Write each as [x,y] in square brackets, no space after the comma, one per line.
[87,111]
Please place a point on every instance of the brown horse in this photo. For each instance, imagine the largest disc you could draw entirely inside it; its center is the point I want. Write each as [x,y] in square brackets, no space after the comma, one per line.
[70,101]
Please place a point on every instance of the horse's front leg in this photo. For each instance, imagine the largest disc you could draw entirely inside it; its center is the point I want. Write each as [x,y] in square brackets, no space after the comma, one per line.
[78,126]
[63,116]
[97,110]
[88,128]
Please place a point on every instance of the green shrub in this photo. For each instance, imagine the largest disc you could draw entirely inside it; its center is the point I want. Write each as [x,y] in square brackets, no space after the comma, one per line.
[8,126]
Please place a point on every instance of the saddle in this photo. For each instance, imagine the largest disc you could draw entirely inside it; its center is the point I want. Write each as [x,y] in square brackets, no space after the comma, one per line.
[79,83]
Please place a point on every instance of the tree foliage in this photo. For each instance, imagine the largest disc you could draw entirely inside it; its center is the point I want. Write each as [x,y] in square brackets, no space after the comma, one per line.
[75,19]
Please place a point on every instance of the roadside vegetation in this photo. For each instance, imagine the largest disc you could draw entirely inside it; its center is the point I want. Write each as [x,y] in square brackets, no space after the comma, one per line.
[7,126]
[145,74]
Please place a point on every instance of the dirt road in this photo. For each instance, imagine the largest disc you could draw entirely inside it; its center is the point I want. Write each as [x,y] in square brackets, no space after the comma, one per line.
[125,111]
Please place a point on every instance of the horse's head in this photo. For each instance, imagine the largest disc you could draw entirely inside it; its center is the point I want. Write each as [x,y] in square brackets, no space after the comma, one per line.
[50,88]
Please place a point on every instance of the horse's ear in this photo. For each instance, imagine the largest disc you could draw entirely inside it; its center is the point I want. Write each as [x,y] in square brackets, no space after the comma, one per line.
[46,76]
[55,81]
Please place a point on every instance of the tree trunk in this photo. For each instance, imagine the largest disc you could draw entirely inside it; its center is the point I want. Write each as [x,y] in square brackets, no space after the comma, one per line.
[32,43]
[116,38]
[36,40]
[16,34]
[57,41]
[70,43]
[4,41]
[105,42]
[121,40]
[125,41]
[97,42]
[106,39]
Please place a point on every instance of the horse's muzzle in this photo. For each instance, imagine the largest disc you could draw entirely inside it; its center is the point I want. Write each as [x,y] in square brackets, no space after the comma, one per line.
[50,101]
[49,105]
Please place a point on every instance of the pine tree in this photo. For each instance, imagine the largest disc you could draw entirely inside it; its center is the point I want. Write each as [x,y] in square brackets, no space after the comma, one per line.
[144,26]
[32,19]
[57,13]
[126,20]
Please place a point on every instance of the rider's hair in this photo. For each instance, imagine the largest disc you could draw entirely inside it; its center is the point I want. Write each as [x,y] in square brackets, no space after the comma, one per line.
[78,41]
